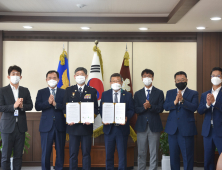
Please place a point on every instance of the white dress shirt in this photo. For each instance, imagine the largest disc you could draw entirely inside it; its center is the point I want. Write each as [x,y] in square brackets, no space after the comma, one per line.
[15,92]
[16,95]
[146,92]
[118,95]
[50,89]
[215,93]
[81,87]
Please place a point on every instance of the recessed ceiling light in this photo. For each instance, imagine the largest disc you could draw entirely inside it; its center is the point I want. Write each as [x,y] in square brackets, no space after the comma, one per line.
[143,28]
[215,18]
[201,28]
[85,28]
[27,27]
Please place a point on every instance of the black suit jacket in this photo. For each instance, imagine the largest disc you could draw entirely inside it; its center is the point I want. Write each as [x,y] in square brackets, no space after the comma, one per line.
[152,114]
[7,100]
[72,95]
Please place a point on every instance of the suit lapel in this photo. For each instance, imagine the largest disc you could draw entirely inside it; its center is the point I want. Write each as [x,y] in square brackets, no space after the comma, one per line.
[76,91]
[85,90]
[122,97]
[10,94]
[186,93]
[143,94]
[57,93]
[152,94]
[219,95]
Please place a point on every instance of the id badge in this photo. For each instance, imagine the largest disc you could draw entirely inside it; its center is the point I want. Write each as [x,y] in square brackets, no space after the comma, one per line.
[16,113]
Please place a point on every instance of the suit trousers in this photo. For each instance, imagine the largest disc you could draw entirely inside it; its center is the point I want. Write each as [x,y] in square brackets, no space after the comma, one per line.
[211,142]
[74,143]
[185,144]
[47,139]
[145,139]
[14,140]
[116,139]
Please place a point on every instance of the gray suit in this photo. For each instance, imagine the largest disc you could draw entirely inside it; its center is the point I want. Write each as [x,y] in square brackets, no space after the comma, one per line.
[12,132]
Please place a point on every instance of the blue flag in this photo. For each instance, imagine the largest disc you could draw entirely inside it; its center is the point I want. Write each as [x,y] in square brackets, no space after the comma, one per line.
[63,69]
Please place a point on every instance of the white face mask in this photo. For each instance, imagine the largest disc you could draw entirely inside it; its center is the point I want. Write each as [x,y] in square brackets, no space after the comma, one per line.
[147,81]
[80,79]
[116,86]
[52,83]
[15,79]
[216,81]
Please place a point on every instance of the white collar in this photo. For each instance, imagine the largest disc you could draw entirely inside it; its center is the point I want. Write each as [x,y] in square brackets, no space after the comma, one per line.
[149,88]
[182,90]
[118,92]
[13,88]
[217,90]
[81,86]
[52,88]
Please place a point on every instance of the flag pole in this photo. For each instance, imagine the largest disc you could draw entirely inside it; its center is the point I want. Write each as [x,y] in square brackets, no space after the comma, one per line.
[96,42]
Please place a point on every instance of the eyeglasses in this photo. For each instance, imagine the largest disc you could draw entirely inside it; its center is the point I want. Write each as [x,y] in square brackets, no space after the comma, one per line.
[180,81]
[215,76]
[115,81]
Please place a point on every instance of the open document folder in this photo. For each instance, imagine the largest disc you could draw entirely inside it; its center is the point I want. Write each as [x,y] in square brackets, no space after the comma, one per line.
[113,113]
[80,112]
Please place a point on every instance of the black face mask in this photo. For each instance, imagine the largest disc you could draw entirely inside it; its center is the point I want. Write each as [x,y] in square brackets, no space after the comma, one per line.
[181,85]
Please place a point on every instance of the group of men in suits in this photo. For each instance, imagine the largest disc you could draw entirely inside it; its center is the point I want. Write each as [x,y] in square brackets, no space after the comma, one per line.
[148,103]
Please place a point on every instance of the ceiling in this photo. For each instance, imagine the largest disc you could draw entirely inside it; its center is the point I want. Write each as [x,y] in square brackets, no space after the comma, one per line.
[198,15]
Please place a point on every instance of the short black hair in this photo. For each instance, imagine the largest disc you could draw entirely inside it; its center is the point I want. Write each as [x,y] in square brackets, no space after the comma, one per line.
[147,71]
[180,73]
[81,69]
[216,69]
[116,75]
[52,71]
[17,68]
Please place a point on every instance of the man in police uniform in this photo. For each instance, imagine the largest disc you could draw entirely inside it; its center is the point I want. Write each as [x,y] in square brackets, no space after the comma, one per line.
[80,132]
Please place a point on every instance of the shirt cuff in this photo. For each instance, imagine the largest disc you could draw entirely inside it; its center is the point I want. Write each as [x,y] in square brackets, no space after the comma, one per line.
[207,106]
[213,103]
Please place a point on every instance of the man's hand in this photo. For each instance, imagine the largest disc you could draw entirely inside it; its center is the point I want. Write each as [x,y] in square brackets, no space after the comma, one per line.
[146,105]
[54,103]
[87,123]
[21,103]
[51,99]
[71,123]
[177,99]
[106,123]
[210,99]
[180,97]
[125,122]
[18,102]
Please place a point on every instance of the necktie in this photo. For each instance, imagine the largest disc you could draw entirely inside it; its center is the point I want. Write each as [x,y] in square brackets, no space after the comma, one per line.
[80,91]
[53,93]
[115,98]
[148,95]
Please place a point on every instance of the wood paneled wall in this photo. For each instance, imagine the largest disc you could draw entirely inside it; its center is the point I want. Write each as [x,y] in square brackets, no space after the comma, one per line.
[209,55]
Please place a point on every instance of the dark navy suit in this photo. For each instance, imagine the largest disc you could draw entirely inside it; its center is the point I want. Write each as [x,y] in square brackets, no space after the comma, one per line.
[212,134]
[152,114]
[79,132]
[117,135]
[181,127]
[52,127]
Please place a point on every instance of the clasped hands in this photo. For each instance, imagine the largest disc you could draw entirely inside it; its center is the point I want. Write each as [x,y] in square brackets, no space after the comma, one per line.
[179,98]
[210,99]
[19,103]
[147,104]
